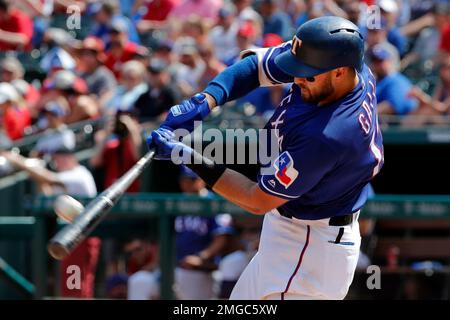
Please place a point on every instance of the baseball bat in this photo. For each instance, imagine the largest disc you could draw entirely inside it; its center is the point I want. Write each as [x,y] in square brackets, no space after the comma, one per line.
[68,238]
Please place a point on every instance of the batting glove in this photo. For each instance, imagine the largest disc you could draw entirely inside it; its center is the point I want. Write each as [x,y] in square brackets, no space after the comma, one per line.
[167,148]
[183,115]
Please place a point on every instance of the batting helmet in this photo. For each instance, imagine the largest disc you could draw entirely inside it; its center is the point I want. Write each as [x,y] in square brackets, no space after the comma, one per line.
[321,45]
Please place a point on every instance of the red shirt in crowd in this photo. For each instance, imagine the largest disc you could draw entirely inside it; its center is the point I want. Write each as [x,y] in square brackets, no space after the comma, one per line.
[16,22]
[114,64]
[158,10]
[119,159]
[445,38]
[85,257]
[15,120]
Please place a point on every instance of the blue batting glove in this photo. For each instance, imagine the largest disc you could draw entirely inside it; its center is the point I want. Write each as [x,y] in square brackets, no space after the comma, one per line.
[167,148]
[184,114]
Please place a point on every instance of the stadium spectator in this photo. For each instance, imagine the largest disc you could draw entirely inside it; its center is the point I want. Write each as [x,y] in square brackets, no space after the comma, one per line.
[377,36]
[73,179]
[207,9]
[353,9]
[13,72]
[11,69]
[133,85]
[28,94]
[65,84]
[162,93]
[213,65]
[199,240]
[189,77]
[195,27]
[275,20]
[99,79]
[14,115]
[106,14]
[121,48]
[117,149]
[390,11]
[61,48]
[57,135]
[232,264]
[245,12]
[223,36]
[156,15]
[116,286]
[392,86]
[16,28]
[40,11]
[246,38]
[142,267]
[426,46]
[431,108]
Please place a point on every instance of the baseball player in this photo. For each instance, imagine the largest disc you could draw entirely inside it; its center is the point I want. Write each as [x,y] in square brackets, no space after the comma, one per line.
[330,147]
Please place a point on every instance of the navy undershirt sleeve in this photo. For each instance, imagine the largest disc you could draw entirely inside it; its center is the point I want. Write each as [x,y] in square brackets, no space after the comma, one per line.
[235,81]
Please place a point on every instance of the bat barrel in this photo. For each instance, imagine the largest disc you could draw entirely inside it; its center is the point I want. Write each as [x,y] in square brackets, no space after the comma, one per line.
[68,238]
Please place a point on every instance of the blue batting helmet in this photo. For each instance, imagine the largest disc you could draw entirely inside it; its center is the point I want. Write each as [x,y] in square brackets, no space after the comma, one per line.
[321,45]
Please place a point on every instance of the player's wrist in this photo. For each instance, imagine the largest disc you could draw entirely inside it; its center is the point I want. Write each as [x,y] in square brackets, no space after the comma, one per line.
[205,168]
[211,101]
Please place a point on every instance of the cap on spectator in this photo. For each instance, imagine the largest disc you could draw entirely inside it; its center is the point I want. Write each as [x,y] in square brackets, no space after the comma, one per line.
[187,173]
[272,40]
[142,52]
[157,65]
[246,30]
[118,25]
[93,43]
[21,86]
[56,59]
[165,44]
[378,52]
[187,46]
[67,80]
[55,109]
[8,93]
[226,11]
[12,65]
[389,6]
[96,45]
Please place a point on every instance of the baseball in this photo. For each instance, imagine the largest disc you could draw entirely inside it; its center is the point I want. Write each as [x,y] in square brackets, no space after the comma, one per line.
[67,208]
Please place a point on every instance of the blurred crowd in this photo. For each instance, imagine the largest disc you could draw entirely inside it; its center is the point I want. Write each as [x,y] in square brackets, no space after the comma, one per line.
[126,62]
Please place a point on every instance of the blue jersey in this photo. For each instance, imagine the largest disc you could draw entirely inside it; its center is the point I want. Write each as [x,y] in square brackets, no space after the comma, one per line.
[195,233]
[327,154]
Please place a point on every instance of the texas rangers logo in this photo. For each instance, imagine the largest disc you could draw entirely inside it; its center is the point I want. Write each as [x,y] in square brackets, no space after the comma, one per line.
[285,172]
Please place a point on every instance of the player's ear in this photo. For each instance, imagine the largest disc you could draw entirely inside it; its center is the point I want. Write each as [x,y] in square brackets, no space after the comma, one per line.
[339,72]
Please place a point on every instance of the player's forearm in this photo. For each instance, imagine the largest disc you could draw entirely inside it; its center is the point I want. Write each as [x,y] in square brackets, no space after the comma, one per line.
[235,81]
[240,190]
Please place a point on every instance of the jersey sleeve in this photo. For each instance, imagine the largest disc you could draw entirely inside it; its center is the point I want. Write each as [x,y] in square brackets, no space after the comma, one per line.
[297,169]
[268,72]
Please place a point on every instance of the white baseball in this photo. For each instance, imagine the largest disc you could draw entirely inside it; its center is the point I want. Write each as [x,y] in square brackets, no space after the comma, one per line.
[67,208]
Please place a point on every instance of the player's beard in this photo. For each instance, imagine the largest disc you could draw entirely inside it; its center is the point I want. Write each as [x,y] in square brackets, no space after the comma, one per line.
[327,90]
